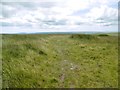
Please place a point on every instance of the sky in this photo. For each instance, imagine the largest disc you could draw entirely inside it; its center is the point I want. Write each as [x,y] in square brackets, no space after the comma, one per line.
[27,16]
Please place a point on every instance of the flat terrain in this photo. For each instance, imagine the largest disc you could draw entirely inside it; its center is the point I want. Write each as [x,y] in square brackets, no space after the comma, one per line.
[53,61]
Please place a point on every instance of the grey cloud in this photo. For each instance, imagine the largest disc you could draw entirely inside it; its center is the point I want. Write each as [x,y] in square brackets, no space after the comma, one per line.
[30,5]
[6,24]
[107,21]
[20,6]
[47,4]
[15,24]
[17,7]
[54,22]
[109,24]
[80,23]
[6,12]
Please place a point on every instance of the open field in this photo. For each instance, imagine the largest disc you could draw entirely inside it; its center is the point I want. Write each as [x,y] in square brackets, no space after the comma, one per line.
[53,61]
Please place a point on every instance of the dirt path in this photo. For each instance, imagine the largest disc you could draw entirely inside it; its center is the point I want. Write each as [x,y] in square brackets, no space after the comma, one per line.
[65,62]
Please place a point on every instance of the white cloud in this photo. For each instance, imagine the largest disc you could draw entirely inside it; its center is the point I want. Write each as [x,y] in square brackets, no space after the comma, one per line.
[103,14]
[60,13]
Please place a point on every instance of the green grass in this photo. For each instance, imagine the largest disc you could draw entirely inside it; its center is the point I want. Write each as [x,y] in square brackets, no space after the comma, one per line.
[53,61]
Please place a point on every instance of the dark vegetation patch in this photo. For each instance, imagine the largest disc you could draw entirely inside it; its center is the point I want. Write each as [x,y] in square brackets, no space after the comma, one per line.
[14,51]
[83,36]
[41,52]
[54,80]
[35,49]
[103,35]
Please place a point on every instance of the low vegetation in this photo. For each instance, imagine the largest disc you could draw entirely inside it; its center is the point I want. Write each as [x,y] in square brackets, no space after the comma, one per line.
[53,61]
[103,35]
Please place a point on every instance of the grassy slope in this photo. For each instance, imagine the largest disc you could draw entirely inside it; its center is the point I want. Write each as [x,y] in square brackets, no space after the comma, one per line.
[60,61]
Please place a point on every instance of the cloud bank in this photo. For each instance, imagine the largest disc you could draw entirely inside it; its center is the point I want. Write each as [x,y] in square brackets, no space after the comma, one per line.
[59,15]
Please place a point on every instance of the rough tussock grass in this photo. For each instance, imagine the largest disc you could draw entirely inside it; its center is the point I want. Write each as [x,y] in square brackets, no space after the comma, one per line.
[46,61]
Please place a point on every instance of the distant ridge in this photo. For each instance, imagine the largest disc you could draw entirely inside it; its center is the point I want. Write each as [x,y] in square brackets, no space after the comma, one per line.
[60,33]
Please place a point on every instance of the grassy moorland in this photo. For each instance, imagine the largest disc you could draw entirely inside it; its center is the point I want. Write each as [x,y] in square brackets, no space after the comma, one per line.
[53,61]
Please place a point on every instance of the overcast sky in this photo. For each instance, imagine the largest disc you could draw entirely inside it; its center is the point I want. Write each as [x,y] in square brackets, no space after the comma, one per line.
[58,15]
